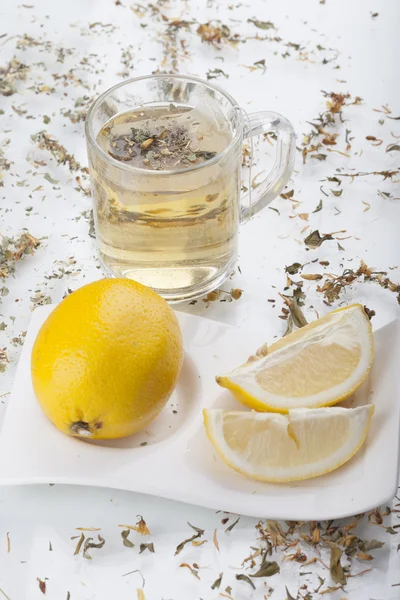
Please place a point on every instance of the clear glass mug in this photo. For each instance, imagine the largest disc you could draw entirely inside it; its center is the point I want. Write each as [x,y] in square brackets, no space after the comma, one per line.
[176,230]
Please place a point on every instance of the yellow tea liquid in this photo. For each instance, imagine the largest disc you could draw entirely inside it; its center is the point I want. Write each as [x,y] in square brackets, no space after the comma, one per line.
[173,232]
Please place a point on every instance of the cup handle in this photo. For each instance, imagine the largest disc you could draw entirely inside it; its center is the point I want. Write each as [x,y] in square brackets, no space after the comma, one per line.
[277,178]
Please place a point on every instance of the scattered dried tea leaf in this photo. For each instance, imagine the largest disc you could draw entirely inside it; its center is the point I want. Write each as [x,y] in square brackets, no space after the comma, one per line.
[243,577]
[217,582]
[364,556]
[319,207]
[267,569]
[215,33]
[314,239]
[335,566]
[140,526]
[197,529]
[45,142]
[196,543]
[42,585]
[232,525]
[198,534]
[274,209]
[13,249]
[79,544]
[311,277]
[236,293]
[295,311]
[125,534]
[289,595]
[50,179]
[370,313]
[90,544]
[215,540]
[191,569]
[367,205]
[215,73]
[13,72]
[287,195]
[149,547]
[393,148]
[293,269]
[372,544]
[262,24]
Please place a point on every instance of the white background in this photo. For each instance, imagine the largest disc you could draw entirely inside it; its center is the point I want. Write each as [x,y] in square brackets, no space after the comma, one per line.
[366,49]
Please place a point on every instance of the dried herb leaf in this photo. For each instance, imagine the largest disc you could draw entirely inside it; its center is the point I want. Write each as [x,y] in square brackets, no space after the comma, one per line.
[197,529]
[42,585]
[149,547]
[314,239]
[311,277]
[79,544]
[370,313]
[230,527]
[335,567]
[50,179]
[236,293]
[215,73]
[90,544]
[393,148]
[390,530]
[289,595]
[287,195]
[197,535]
[293,269]
[319,207]
[140,527]
[262,24]
[215,540]
[191,569]
[217,582]
[267,569]
[275,209]
[124,534]
[242,577]
[371,545]
[364,556]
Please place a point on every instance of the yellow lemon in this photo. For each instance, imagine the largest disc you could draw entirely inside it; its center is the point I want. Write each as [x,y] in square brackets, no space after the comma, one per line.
[304,443]
[107,359]
[317,365]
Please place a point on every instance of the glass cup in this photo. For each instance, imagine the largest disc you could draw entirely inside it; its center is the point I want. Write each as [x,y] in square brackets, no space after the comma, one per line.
[176,229]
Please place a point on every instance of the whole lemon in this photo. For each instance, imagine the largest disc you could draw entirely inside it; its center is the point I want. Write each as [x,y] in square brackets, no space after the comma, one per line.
[107,359]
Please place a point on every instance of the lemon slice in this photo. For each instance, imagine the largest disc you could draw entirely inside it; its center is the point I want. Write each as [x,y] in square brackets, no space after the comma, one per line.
[304,443]
[318,365]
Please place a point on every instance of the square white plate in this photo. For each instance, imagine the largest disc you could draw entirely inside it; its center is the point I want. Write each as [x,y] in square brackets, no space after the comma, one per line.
[174,458]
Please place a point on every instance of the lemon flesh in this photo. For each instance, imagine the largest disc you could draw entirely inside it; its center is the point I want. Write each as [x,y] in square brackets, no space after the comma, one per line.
[107,359]
[317,365]
[273,447]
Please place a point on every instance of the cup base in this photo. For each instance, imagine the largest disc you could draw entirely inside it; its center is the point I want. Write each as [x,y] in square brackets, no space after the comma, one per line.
[203,279]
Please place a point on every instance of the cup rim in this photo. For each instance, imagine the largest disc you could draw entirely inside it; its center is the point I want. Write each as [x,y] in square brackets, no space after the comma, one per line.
[91,139]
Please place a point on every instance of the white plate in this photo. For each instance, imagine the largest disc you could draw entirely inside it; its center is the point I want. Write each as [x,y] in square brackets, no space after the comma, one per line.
[179,462]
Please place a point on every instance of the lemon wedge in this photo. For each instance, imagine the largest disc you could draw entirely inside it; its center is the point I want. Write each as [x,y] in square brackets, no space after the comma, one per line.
[304,443]
[317,365]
